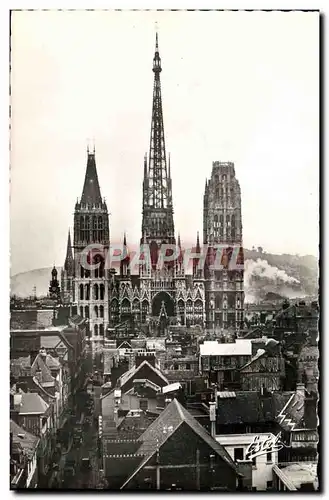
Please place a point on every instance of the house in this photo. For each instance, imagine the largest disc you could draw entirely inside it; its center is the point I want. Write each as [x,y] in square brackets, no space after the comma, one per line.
[23,458]
[298,317]
[221,361]
[308,365]
[33,414]
[238,445]
[136,389]
[266,369]
[174,453]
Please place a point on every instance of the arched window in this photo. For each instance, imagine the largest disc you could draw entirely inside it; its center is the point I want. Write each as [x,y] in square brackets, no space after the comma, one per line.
[87,312]
[217,193]
[233,226]
[102,291]
[221,224]
[96,272]
[101,311]
[101,329]
[81,311]
[100,223]
[94,222]
[96,311]
[96,329]
[87,292]
[96,292]
[81,292]
[216,179]
[101,268]
[82,271]
[82,223]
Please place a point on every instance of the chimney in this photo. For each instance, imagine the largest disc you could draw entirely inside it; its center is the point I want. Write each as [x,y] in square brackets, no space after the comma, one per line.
[212,417]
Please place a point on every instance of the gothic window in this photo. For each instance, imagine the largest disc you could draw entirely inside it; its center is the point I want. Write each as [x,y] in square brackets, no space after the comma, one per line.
[81,292]
[221,224]
[233,226]
[94,222]
[198,307]
[96,292]
[96,311]
[101,311]
[96,272]
[101,269]
[100,223]
[102,291]
[101,329]
[81,311]
[82,271]
[216,179]
[87,312]
[217,302]
[125,306]
[88,292]
[217,193]
[82,228]
[96,329]
[224,178]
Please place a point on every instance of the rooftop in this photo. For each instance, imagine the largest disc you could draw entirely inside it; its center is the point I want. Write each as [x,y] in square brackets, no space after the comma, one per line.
[241,347]
[25,439]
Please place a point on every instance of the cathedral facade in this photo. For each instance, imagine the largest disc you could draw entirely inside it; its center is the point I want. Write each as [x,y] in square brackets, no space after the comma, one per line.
[162,292]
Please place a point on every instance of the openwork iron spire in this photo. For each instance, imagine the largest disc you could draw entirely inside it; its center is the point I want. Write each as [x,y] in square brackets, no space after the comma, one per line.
[159,196]
[158,221]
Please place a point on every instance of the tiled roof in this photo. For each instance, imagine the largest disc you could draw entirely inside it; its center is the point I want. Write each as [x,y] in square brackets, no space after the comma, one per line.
[32,403]
[165,425]
[25,439]
[250,407]
[39,365]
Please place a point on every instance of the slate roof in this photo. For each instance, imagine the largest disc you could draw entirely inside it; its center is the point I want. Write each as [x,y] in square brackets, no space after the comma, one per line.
[32,403]
[250,407]
[91,191]
[125,377]
[169,420]
[27,441]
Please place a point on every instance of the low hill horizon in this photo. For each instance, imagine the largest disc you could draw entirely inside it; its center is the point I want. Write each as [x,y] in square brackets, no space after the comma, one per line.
[286,275]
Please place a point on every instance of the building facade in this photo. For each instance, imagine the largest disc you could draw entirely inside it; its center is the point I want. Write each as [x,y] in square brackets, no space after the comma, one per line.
[222,226]
[162,292]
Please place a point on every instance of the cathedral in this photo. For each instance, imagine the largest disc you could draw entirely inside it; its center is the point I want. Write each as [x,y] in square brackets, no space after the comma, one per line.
[162,293]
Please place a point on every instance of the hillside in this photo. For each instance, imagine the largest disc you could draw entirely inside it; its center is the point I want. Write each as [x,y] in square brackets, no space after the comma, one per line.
[284,275]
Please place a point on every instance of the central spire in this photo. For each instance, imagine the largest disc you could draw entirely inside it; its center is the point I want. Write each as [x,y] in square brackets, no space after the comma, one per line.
[157,157]
[158,221]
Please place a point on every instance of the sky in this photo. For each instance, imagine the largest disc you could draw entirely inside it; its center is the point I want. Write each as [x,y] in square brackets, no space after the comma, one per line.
[236,86]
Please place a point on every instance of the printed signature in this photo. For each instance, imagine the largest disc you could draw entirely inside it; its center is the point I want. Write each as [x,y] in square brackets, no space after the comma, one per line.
[268,445]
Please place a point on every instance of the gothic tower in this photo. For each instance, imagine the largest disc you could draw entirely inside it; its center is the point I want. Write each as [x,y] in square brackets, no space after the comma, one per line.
[222,225]
[54,290]
[67,274]
[91,226]
[158,220]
